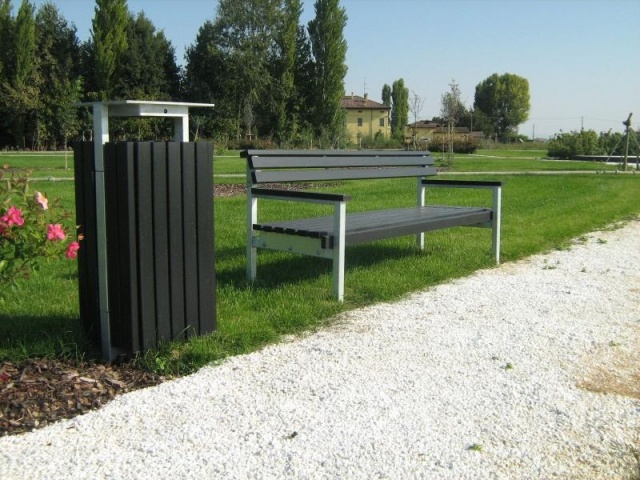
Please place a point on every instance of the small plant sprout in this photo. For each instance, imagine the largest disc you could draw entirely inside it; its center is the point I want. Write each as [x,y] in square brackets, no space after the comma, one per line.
[601,241]
[475,447]
[508,366]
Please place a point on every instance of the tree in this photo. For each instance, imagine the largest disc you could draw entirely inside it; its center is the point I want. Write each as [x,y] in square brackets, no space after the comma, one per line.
[399,109]
[415,105]
[451,110]
[21,91]
[285,70]
[109,35]
[149,70]
[6,38]
[236,54]
[304,79]
[386,95]
[205,80]
[329,50]
[504,101]
[59,53]
[6,61]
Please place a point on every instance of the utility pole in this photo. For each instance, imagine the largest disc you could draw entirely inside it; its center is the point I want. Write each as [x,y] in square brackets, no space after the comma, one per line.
[627,129]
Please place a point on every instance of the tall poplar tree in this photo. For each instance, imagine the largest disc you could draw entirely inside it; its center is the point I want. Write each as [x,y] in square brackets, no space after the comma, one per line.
[399,108]
[6,55]
[22,95]
[109,35]
[329,50]
[386,95]
[6,35]
[304,79]
[286,121]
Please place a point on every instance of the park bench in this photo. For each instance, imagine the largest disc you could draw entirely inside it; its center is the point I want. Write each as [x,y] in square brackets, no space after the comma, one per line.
[327,236]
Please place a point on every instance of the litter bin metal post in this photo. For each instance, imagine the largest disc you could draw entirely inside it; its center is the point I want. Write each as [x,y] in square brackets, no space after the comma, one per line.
[102,111]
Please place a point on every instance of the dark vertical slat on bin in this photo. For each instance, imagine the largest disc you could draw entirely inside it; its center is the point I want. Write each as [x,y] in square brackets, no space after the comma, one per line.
[205,260]
[161,240]
[127,324]
[176,245]
[114,268]
[87,256]
[144,246]
[190,235]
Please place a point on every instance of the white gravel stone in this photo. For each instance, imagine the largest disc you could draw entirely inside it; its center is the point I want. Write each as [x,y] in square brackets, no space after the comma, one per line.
[475,379]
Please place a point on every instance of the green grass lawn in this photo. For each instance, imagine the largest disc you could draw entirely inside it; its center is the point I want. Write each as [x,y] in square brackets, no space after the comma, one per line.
[293,293]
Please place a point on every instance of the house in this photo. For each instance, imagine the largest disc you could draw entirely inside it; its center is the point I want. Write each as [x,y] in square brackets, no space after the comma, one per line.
[365,118]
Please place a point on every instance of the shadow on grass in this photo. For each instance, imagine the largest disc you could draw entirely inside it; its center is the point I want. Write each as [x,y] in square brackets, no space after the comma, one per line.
[276,268]
[23,337]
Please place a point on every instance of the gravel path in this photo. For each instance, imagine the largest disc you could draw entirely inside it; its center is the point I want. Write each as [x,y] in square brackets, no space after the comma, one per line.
[527,371]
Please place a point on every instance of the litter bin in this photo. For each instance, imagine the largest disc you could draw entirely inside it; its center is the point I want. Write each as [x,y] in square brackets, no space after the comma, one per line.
[146,268]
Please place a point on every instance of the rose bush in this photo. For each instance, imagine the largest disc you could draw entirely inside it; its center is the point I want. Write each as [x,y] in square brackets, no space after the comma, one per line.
[31,228]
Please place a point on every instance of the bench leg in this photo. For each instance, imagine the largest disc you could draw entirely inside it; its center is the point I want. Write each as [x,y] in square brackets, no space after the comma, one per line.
[338,250]
[496,221]
[252,216]
[251,264]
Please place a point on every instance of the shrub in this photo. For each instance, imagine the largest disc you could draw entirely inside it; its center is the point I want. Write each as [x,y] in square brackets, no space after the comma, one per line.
[568,145]
[31,228]
[459,145]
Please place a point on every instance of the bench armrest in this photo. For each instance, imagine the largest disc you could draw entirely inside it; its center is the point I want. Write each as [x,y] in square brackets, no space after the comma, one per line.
[298,195]
[461,183]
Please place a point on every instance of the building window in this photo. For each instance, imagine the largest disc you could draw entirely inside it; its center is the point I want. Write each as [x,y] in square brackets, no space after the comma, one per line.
[382,122]
[359,121]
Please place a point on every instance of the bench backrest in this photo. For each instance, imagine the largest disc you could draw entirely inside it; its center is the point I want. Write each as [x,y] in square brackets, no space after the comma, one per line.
[274,166]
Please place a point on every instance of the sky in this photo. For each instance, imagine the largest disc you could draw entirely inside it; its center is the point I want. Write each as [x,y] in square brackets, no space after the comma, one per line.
[581,57]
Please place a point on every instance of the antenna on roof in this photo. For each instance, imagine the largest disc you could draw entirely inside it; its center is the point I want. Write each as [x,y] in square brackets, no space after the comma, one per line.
[365,86]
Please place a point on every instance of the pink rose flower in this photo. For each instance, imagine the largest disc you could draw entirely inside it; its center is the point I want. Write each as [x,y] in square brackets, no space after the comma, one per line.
[42,200]
[56,233]
[12,217]
[72,250]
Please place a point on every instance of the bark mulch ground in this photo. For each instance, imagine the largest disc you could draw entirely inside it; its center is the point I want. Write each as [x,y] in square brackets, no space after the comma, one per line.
[42,391]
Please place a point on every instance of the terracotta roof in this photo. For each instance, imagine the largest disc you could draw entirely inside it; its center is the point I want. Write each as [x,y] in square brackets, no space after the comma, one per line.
[361,103]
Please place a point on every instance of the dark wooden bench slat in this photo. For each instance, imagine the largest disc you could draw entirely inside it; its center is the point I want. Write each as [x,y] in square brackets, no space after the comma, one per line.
[275,176]
[272,192]
[462,183]
[336,162]
[376,225]
[333,153]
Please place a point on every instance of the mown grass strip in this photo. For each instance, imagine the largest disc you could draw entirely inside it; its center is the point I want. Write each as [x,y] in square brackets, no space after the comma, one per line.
[293,293]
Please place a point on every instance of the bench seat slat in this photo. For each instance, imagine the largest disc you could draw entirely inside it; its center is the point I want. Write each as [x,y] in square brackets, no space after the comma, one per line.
[310,175]
[378,225]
